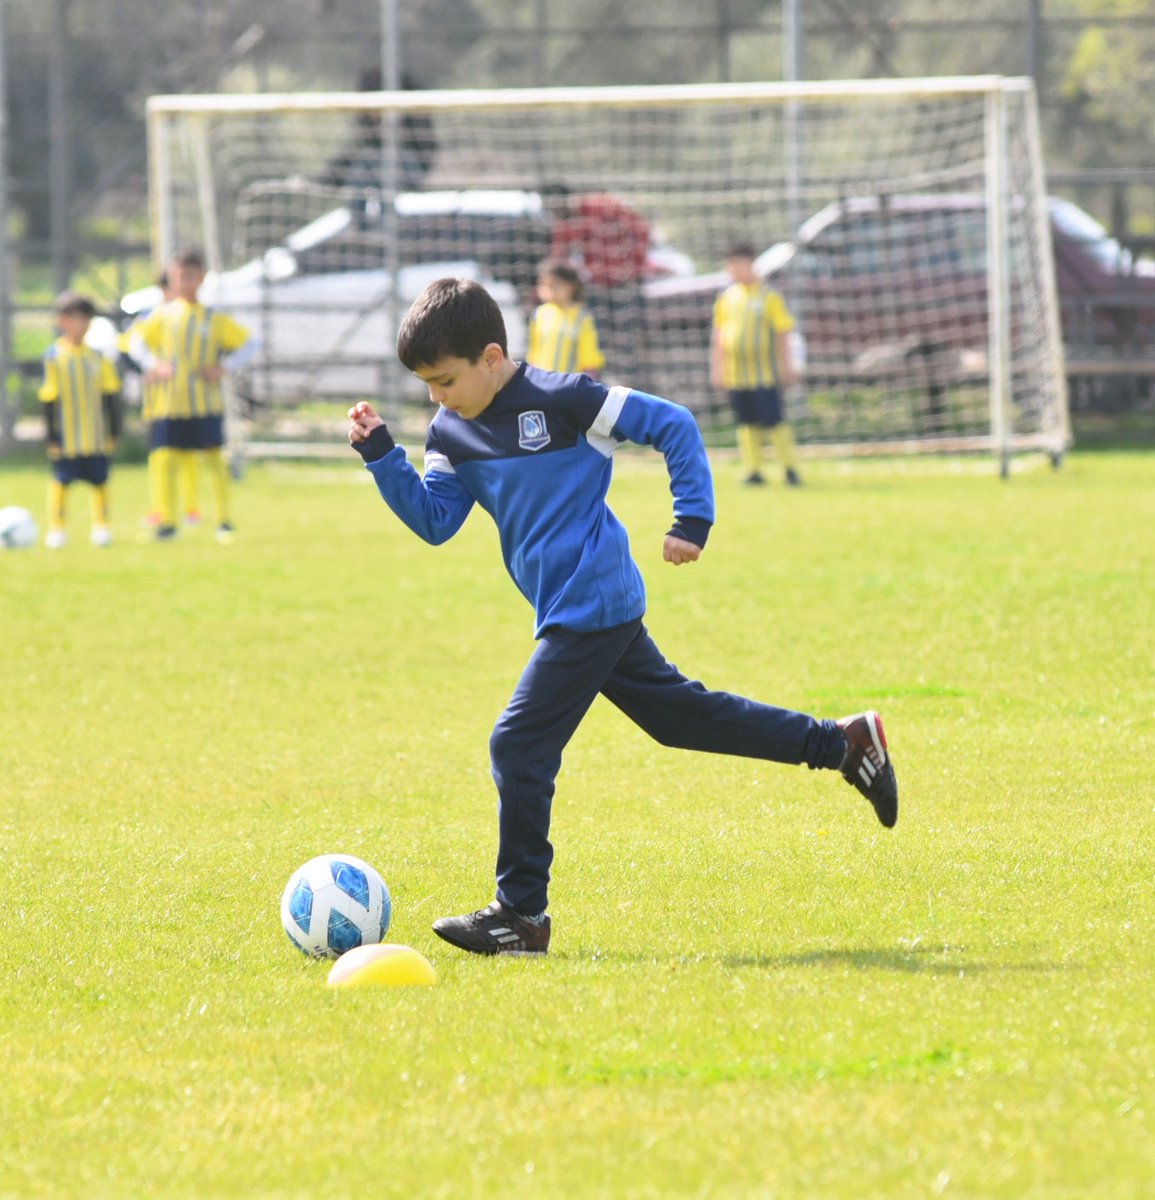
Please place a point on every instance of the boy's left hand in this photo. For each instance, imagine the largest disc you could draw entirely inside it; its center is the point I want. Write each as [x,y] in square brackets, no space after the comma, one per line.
[677,550]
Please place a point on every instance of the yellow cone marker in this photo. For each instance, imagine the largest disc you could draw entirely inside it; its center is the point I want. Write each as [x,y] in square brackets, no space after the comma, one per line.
[387,965]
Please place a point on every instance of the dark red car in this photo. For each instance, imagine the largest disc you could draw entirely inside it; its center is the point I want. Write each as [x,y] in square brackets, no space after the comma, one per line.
[891,286]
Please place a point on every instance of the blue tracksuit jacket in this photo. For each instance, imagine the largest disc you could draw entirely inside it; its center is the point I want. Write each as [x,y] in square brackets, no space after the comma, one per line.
[538,460]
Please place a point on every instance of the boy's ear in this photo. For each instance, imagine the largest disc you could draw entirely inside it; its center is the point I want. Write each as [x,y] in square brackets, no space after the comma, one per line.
[493,355]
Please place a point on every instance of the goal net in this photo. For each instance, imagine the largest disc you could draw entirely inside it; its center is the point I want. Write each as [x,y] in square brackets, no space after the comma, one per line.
[904,222]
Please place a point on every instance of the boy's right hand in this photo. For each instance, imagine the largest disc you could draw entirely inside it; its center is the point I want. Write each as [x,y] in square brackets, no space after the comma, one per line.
[362,421]
[368,434]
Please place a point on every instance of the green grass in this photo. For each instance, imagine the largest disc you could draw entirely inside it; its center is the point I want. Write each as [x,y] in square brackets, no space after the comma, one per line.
[754,990]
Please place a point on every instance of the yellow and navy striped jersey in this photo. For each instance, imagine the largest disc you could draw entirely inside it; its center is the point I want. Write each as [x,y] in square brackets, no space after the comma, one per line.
[191,337]
[564,339]
[747,320]
[148,387]
[77,378]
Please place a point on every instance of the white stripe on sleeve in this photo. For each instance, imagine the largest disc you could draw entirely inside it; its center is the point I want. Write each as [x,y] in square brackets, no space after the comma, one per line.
[600,433]
[436,461]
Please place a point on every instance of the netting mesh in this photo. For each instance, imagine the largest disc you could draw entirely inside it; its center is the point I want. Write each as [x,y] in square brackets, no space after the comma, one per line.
[871,210]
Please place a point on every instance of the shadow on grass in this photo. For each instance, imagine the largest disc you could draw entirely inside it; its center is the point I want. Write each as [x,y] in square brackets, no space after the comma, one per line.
[917,960]
[929,960]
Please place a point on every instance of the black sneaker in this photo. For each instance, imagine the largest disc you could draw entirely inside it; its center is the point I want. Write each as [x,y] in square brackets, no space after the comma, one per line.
[164,533]
[494,929]
[868,766]
[754,479]
[793,479]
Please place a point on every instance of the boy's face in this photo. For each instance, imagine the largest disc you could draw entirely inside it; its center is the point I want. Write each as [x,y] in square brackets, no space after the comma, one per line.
[185,281]
[73,326]
[464,387]
[553,290]
[740,269]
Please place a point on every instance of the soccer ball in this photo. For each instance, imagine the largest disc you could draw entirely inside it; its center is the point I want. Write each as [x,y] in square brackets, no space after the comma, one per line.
[333,903]
[17,528]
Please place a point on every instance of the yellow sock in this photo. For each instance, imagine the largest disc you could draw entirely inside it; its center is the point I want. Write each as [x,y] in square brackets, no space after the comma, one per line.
[189,467]
[219,474]
[750,448]
[162,476]
[783,438]
[56,492]
[99,503]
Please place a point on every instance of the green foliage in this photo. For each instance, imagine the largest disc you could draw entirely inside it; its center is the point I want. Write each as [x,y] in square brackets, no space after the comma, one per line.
[755,990]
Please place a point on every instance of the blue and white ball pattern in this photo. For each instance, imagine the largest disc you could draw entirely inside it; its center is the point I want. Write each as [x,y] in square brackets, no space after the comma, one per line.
[333,903]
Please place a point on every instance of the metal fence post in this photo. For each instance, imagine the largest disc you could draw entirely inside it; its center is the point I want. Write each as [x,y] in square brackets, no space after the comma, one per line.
[7,283]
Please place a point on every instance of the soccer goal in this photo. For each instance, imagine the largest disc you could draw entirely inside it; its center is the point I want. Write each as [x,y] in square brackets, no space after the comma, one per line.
[904,221]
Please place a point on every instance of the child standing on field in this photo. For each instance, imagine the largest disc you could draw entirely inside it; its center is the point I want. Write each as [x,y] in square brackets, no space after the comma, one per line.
[534,449]
[185,350]
[751,359]
[562,333]
[81,396]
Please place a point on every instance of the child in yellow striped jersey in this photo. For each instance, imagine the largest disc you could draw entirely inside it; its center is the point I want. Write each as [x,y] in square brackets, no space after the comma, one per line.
[81,396]
[562,333]
[751,359]
[149,386]
[186,349]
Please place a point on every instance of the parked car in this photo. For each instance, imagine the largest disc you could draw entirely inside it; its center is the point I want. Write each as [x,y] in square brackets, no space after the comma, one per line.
[325,320]
[324,316]
[879,284]
[505,231]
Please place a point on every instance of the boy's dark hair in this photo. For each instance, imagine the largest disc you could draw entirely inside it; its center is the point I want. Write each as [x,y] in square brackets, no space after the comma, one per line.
[69,304]
[452,318]
[188,257]
[557,198]
[567,274]
[742,250]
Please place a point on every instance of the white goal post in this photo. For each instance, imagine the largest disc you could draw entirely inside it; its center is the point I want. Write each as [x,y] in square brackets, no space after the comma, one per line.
[904,221]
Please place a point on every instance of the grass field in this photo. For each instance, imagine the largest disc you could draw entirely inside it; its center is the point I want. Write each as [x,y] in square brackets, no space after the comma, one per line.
[754,990]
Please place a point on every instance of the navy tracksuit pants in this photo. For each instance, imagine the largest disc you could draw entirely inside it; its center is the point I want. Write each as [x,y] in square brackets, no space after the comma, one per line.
[560,682]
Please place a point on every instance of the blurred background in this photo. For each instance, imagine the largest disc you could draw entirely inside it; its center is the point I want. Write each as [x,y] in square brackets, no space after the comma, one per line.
[75,75]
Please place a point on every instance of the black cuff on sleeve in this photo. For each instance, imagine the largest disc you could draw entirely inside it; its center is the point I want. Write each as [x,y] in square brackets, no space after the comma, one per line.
[692,529]
[376,445]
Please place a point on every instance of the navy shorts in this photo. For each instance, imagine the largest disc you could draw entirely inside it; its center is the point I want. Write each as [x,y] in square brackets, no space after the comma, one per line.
[187,433]
[758,406]
[84,468]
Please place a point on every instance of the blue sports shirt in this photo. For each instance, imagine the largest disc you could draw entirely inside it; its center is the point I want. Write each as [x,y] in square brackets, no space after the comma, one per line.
[539,461]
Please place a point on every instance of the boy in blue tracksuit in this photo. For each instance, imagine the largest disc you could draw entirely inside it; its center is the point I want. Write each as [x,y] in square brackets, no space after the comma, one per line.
[534,449]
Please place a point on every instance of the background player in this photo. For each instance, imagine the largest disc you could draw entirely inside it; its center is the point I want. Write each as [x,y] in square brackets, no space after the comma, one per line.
[751,359]
[562,333]
[81,395]
[185,350]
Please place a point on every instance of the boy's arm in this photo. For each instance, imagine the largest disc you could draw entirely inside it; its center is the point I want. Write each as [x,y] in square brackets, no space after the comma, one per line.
[434,507]
[671,430]
[113,415]
[50,396]
[590,356]
[787,372]
[716,375]
[110,398]
[52,427]
[238,348]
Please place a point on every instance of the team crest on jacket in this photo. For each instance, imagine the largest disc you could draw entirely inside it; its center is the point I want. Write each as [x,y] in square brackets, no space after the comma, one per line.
[531,431]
